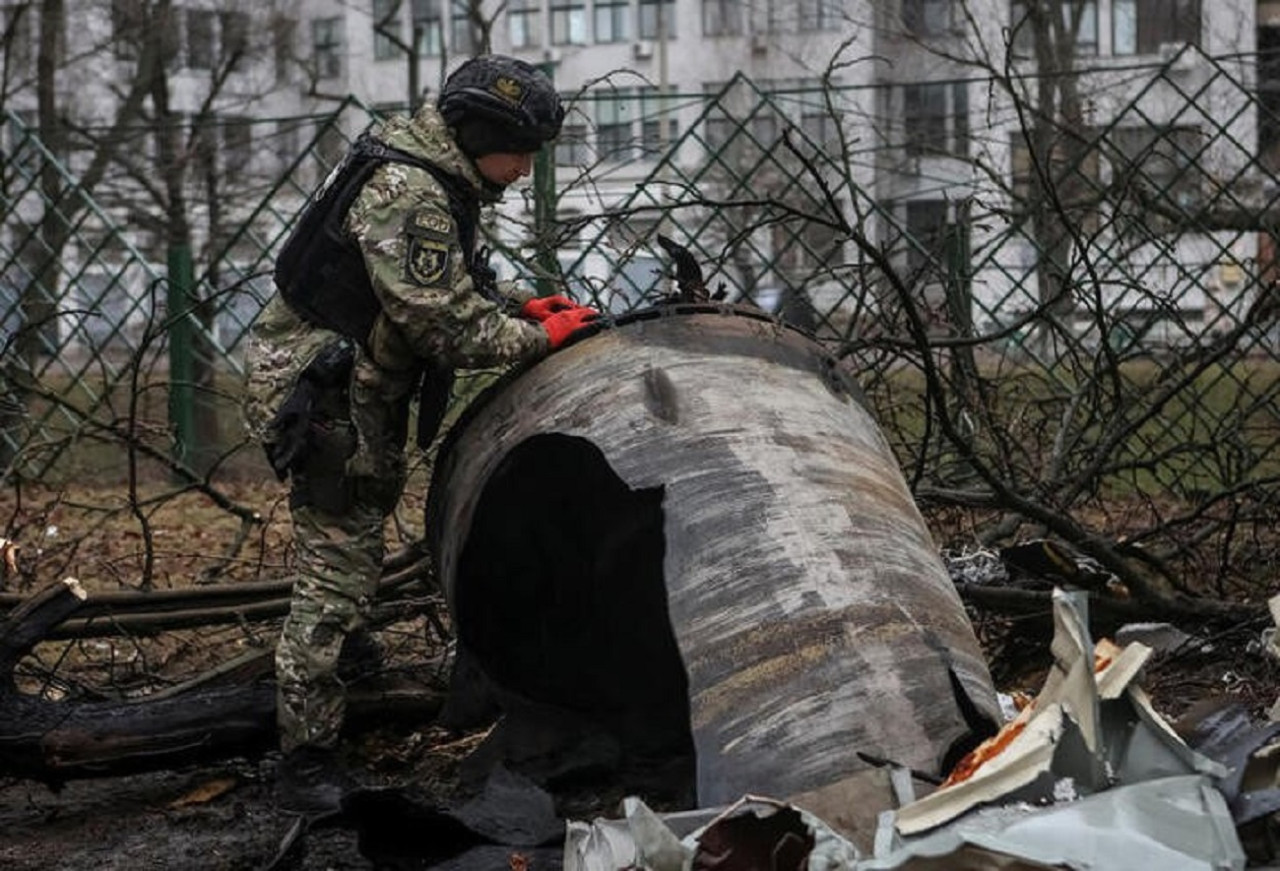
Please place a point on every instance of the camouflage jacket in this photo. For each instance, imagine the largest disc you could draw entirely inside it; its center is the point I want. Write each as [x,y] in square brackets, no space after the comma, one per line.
[430,308]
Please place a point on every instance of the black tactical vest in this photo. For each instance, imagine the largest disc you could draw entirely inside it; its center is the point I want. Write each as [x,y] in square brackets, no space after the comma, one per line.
[320,271]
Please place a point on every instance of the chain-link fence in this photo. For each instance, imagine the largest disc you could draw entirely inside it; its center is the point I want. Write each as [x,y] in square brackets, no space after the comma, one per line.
[1061,319]
[120,330]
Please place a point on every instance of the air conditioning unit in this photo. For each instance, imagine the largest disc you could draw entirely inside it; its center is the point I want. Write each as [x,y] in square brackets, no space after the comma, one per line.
[642,49]
[759,43]
[1177,55]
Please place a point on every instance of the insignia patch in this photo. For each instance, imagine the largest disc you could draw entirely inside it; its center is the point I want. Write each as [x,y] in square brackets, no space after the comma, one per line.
[508,89]
[429,234]
[426,262]
[433,223]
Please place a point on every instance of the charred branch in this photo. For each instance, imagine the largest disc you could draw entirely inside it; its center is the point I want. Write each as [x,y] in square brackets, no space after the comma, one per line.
[228,713]
[146,613]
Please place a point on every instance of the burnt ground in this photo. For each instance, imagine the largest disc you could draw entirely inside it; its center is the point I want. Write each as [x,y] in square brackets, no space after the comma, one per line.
[221,816]
[142,821]
[218,816]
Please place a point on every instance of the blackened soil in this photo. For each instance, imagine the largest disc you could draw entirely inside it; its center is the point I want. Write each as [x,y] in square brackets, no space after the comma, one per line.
[220,817]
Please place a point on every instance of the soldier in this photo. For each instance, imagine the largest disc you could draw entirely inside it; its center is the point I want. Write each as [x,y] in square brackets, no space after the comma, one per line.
[380,294]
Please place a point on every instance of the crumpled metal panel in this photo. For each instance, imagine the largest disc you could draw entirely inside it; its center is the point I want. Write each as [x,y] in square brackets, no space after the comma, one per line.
[811,611]
[1021,802]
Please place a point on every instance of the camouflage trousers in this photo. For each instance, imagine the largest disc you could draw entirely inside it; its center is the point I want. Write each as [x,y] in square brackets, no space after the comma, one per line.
[339,560]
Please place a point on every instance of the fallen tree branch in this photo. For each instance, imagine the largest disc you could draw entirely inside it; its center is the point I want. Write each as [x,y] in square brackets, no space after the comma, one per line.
[211,717]
[147,613]
[29,623]
[1107,613]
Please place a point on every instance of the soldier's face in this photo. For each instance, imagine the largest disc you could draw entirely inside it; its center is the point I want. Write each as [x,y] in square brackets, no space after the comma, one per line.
[504,168]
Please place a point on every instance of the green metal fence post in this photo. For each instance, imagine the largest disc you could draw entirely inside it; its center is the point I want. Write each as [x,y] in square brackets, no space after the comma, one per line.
[181,363]
[544,210]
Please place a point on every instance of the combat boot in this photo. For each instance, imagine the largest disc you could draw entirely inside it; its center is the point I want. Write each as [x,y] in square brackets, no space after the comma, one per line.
[361,656]
[311,781]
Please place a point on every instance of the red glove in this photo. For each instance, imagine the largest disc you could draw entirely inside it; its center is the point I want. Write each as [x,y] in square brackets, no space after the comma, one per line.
[561,325]
[542,307]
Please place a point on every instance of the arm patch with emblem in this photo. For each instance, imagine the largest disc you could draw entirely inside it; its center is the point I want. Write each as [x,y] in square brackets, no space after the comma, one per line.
[429,234]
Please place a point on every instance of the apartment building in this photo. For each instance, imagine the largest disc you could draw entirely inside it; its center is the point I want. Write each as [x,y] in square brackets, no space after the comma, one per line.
[925,93]
[924,89]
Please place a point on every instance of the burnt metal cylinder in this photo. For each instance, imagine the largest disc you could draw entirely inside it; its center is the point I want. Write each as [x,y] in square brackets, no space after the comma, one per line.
[690,523]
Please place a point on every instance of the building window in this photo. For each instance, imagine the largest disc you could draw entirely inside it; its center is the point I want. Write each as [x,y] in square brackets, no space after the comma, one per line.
[657,19]
[817,122]
[1085,26]
[204,144]
[523,22]
[236,142]
[721,17]
[1159,164]
[284,32]
[326,47]
[614,114]
[798,250]
[127,20]
[926,17]
[23,154]
[461,30]
[428,27]
[935,118]
[568,22]
[19,32]
[927,229]
[764,131]
[960,119]
[611,20]
[818,15]
[1142,26]
[330,147]
[233,36]
[571,145]
[924,118]
[1070,170]
[386,29]
[285,142]
[655,112]
[771,16]
[200,39]
[716,128]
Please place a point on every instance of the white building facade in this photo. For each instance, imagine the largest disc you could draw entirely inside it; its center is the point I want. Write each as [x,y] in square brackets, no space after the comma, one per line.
[924,100]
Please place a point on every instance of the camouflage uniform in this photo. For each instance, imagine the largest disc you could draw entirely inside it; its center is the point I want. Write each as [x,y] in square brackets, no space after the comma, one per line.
[430,311]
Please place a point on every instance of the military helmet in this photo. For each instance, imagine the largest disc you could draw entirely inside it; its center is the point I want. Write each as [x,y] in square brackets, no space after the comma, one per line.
[498,103]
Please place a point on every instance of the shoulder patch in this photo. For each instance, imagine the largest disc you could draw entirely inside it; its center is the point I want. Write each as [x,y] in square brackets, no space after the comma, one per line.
[429,233]
[426,262]
[431,222]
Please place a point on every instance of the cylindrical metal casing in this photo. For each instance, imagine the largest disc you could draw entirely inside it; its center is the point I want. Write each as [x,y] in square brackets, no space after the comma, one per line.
[810,608]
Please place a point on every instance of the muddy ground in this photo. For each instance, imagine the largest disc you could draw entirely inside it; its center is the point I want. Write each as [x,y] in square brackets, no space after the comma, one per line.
[221,816]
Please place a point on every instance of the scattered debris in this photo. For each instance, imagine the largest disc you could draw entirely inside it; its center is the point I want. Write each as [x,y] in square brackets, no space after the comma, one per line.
[205,792]
[1087,776]
[8,560]
[1160,637]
